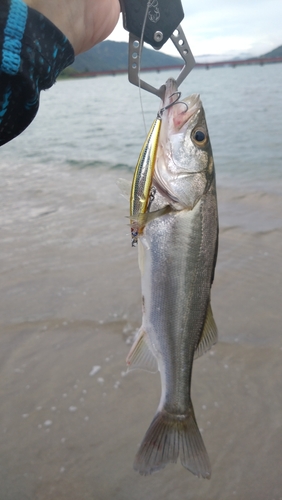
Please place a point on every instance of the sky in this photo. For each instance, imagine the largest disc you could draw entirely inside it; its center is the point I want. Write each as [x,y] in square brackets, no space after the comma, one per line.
[227,27]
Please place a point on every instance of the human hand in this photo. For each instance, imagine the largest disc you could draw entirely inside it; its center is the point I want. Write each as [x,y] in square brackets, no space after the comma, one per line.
[84,22]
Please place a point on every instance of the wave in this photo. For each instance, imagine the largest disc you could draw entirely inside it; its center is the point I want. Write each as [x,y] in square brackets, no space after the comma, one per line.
[83,164]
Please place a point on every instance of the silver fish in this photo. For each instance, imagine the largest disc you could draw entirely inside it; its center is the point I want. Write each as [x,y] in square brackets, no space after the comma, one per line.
[177,257]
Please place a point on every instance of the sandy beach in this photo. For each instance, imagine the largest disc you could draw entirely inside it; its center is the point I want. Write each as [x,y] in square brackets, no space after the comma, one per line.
[71,418]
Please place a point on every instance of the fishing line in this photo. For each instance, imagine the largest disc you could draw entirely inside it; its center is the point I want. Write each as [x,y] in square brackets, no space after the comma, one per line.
[149,3]
[177,101]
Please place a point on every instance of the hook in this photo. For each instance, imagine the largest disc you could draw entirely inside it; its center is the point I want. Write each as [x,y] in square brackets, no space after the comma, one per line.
[178,94]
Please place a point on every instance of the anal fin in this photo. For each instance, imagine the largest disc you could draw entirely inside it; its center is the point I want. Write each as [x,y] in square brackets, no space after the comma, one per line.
[209,334]
[140,356]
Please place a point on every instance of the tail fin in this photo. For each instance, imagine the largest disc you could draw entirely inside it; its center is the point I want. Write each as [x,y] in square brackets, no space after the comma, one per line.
[168,437]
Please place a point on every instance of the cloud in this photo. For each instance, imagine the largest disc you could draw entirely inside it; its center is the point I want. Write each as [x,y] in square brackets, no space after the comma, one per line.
[231,26]
[250,25]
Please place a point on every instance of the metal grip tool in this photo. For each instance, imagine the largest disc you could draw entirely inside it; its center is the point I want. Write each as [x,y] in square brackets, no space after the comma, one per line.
[163,17]
[154,22]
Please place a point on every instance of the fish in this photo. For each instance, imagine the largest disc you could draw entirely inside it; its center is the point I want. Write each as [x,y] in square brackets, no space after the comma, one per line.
[177,253]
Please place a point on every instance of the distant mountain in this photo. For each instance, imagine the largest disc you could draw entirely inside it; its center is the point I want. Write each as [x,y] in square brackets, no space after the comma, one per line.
[230,56]
[274,53]
[113,56]
[233,56]
[110,56]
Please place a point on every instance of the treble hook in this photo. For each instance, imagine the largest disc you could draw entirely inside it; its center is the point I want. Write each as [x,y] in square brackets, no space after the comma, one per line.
[178,94]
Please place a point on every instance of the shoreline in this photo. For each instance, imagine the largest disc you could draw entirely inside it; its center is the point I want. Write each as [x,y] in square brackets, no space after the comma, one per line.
[70,73]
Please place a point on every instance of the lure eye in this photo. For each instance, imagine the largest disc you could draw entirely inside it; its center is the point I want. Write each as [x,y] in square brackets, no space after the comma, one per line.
[199,136]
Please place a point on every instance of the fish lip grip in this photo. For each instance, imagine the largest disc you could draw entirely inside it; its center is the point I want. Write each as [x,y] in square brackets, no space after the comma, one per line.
[163,19]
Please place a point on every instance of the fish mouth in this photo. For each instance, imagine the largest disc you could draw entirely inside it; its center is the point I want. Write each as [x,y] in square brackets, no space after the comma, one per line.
[177,109]
[170,89]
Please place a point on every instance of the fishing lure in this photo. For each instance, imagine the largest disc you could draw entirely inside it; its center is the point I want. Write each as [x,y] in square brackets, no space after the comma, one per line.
[142,179]
[141,189]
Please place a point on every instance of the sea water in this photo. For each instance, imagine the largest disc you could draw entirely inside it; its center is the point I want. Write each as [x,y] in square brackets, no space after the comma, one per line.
[70,296]
[98,122]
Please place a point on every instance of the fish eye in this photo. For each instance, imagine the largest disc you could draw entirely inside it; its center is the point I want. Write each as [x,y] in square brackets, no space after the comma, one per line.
[199,136]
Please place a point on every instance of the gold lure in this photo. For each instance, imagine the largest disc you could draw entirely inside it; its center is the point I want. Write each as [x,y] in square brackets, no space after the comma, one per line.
[142,179]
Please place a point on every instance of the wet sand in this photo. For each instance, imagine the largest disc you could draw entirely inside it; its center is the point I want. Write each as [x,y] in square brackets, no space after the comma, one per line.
[71,418]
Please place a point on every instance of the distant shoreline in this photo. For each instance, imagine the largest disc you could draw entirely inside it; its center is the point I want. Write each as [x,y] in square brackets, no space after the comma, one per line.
[69,73]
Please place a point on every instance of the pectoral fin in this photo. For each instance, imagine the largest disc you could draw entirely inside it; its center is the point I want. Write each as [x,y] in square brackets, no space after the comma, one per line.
[209,335]
[124,186]
[142,219]
[140,355]
[139,221]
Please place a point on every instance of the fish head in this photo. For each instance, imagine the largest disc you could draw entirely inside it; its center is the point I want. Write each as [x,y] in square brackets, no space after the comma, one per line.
[184,166]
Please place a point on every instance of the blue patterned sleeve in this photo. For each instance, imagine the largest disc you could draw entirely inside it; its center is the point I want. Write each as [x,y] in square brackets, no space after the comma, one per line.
[32,53]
